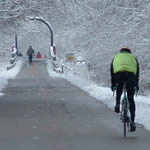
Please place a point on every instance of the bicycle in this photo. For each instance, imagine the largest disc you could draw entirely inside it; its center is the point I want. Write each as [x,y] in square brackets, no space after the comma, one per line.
[125,115]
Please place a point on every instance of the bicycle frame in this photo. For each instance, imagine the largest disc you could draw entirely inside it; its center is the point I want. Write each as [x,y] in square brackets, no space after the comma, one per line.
[125,110]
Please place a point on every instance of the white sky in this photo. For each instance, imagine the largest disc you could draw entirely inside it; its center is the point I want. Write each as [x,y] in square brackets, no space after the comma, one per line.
[102,94]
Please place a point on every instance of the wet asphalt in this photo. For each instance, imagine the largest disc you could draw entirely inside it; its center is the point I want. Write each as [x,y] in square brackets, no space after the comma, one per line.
[38,112]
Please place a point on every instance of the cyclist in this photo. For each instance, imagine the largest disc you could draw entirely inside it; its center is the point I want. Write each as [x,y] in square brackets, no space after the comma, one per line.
[125,68]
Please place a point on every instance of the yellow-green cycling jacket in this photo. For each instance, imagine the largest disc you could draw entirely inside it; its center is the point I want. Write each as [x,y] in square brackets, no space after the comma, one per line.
[124,62]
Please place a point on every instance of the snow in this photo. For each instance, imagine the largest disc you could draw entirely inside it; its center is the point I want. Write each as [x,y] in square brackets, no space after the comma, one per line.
[93,30]
[10,74]
[105,95]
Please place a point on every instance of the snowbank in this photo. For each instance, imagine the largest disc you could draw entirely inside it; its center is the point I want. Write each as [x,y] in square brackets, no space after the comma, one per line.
[10,74]
[105,95]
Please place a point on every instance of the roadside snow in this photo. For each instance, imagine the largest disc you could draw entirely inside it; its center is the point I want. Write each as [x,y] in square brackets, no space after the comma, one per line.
[105,95]
[10,74]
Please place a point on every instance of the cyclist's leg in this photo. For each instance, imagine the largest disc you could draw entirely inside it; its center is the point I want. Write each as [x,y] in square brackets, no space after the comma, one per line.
[120,82]
[119,93]
[132,109]
[130,93]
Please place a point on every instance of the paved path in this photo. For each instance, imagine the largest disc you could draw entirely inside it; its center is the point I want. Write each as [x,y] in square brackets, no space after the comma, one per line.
[42,113]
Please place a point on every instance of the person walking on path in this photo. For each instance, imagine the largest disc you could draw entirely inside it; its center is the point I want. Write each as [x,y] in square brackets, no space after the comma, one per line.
[30,53]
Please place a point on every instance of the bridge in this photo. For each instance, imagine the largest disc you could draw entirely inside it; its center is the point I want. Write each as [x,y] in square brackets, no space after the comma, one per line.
[38,112]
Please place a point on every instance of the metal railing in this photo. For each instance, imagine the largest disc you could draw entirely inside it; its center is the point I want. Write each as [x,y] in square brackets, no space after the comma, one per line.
[13,58]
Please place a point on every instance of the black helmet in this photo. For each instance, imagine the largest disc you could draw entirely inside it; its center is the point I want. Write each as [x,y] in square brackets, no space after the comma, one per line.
[125,49]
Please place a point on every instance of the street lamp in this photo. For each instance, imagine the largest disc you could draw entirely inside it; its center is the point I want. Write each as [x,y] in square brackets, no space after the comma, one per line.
[47,24]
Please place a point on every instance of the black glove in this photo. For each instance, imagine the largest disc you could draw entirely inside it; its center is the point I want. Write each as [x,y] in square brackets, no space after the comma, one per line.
[137,87]
[113,88]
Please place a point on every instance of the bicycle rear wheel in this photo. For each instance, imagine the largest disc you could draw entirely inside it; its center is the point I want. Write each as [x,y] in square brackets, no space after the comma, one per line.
[125,123]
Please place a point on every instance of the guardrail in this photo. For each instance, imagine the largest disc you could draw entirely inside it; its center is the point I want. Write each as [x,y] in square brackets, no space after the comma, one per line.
[59,67]
[13,58]
[62,68]
[65,68]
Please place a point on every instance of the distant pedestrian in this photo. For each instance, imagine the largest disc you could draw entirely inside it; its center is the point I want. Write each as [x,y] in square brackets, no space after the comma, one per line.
[38,55]
[30,53]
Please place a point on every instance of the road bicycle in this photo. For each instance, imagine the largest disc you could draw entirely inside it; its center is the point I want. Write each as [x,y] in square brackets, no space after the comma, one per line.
[125,115]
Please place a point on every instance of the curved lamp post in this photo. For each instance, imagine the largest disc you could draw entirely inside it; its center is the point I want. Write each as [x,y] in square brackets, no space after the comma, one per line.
[47,24]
